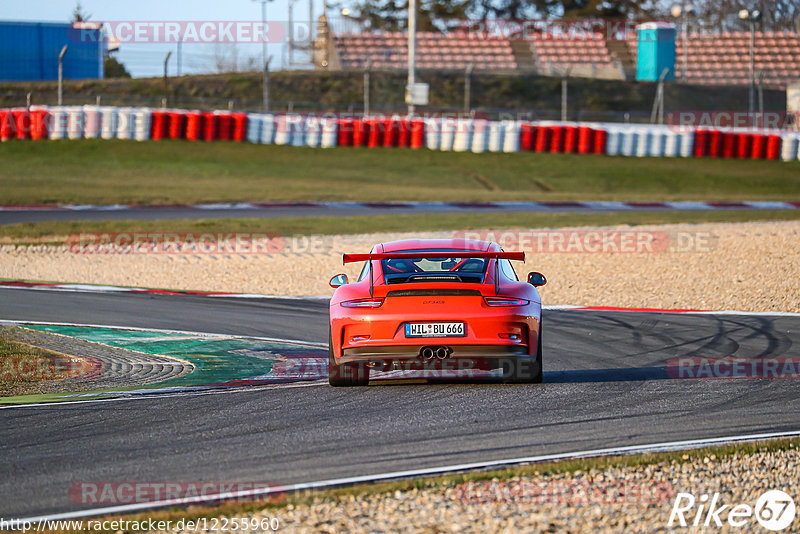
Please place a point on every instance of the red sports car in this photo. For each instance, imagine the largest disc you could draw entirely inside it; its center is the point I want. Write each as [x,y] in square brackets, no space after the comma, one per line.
[439,305]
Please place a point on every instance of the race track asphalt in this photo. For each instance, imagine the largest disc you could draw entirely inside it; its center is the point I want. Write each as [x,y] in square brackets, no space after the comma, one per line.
[604,386]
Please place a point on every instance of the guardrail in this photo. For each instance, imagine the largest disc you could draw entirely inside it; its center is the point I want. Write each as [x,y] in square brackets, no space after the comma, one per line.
[457,134]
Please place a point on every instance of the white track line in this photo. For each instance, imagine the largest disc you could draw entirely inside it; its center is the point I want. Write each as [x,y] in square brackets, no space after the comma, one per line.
[358,205]
[608,205]
[412,473]
[567,307]
[261,296]
[689,206]
[87,288]
[197,392]
[167,331]
[78,288]
[769,205]
[737,312]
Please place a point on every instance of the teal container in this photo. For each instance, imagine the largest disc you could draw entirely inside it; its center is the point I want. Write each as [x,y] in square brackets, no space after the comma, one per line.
[656,51]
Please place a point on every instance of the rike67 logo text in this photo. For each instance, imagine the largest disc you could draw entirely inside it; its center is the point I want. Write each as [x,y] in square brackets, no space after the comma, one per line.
[774,510]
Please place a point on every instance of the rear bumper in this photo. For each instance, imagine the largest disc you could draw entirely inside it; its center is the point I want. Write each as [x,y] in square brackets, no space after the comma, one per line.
[463,359]
[359,333]
[412,352]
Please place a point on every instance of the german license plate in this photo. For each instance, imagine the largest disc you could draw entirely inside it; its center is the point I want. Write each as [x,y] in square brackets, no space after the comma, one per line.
[436,330]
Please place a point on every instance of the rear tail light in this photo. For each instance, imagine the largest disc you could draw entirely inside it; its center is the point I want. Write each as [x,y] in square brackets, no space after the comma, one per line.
[504,301]
[364,303]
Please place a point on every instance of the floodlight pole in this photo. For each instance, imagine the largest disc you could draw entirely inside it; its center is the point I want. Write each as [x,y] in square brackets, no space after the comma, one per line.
[564,85]
[685,32]
[61,75]
[751,16]
[166,81]
[683,11]
[366,87]
[291,32]
[180,57]
[752,103]
[761,96]
[412,48]
[468,86]
[658,104]
[264,59]
[265,88]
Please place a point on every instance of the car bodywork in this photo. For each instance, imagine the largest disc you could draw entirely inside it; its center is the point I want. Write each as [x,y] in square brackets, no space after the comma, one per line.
[467,290]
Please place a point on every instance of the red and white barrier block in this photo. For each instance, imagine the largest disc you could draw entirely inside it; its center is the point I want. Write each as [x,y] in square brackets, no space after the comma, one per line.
[446,133]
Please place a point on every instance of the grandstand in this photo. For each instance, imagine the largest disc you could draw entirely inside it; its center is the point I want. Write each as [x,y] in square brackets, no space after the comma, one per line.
[713,59]
[434,51]
[724,58]
[587,57]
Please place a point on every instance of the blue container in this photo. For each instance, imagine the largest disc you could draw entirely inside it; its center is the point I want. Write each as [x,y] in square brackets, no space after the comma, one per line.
[29,51]
[656,51]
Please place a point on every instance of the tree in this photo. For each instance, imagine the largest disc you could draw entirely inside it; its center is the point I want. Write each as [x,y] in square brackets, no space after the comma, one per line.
[228,58]
[79,15]
[784,14]
[713,15]
[569,9]
[392,15]
[722,15]
[112,66]
[611,9]
[115,69]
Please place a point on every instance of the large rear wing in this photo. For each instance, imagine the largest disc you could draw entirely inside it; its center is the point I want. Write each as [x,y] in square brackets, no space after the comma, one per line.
[353,258]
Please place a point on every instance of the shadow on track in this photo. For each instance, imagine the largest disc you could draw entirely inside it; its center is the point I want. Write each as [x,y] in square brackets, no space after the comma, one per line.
[623,374]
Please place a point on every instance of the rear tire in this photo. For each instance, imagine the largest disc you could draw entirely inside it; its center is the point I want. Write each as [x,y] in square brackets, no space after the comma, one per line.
[521,371]
[346,374]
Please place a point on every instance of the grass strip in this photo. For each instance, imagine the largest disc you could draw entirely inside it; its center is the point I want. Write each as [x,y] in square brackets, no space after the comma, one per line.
[24,368]
[55,232]
[96,171]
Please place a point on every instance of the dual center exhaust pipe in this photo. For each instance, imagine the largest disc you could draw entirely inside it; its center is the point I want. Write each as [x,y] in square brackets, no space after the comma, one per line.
[429,353]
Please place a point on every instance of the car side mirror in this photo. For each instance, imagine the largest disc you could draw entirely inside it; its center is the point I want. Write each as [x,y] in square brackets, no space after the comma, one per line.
[338,280]
[536,279]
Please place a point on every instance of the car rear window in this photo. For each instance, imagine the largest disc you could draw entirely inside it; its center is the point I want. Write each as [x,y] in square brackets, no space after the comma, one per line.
[422,269]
